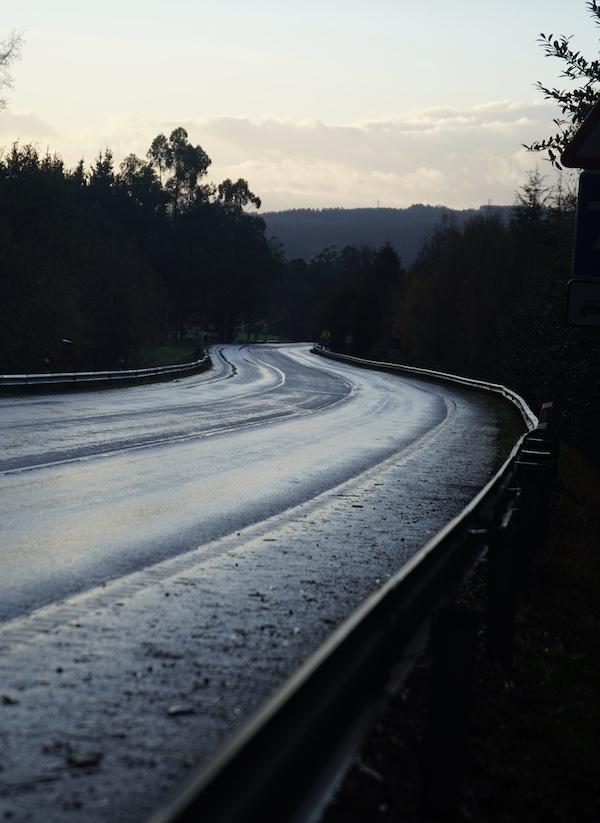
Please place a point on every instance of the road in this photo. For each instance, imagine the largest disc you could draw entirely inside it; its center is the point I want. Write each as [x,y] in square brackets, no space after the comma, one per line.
[174,466]
[172,552]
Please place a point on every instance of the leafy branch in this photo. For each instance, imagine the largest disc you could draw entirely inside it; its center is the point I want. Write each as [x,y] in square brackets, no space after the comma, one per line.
[574,103]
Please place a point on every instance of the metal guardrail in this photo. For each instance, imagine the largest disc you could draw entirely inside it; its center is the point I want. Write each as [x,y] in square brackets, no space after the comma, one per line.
[288,757]
[529,417]
[40,382]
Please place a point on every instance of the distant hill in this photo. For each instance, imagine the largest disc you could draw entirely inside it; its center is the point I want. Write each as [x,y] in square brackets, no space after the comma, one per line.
[306,232]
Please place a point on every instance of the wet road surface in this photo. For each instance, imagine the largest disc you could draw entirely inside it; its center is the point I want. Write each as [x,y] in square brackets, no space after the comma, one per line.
[207,535]
[93,486]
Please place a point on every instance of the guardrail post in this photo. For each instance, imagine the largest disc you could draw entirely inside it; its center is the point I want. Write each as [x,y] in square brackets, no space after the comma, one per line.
[453,648]
[536,477]
[500,628]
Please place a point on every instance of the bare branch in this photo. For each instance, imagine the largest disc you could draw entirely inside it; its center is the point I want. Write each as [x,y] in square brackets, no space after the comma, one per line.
[10,50]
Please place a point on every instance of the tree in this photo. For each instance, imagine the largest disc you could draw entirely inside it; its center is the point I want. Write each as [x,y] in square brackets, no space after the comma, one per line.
[140,182]
[159,154]
[114,259]
[186,164]
[102,175]
[532,200]
[574,103]
[77,176]
[10,50]
[386,265]
[236,195]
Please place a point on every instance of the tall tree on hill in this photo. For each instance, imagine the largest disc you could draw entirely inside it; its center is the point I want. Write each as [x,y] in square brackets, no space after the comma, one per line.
[185,163]
[158,154]
[236,195]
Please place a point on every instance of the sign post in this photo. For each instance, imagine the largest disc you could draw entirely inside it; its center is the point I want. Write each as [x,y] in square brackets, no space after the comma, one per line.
[325,339]
[583,152]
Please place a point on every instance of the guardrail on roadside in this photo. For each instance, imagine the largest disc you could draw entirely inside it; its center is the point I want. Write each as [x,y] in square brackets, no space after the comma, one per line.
[531,421]
[287,759]
[93,379]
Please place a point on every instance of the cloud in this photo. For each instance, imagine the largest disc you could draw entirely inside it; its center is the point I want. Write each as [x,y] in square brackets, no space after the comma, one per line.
[24,127]
[456,156]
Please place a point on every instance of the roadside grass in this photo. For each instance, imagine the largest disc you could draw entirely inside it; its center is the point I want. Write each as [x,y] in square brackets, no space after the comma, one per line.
[535,732]
[510,428]
[257,338]
[167,354]
[536,740]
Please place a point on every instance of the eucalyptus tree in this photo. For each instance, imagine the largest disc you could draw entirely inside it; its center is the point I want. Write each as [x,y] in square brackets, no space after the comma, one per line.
[158,154]
[236,195]
[184,165]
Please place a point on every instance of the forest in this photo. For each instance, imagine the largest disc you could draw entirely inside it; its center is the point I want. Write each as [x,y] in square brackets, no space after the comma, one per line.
[99,264]
[305,232]
[485,299]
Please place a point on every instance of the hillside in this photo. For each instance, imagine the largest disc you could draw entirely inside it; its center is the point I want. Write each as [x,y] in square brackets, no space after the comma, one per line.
[306,232]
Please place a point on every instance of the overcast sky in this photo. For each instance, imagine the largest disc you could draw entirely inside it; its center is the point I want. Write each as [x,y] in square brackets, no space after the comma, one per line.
[329,103]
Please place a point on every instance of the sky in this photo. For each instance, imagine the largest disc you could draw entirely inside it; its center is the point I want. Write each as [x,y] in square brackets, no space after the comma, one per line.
[350,103]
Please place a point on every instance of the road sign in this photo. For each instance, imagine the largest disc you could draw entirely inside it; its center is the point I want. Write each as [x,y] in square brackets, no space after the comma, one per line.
[584,302]
[583,151]
[586,252]
[584,289]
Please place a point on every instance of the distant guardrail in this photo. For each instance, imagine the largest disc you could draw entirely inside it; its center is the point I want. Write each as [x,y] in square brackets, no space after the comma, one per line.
[285,762]
[95,379]
[529,417]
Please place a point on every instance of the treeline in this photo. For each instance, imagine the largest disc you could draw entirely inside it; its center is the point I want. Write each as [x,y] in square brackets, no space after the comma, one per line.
[304,232]
[490,301]
[97,264]
[485,299]
[353,296]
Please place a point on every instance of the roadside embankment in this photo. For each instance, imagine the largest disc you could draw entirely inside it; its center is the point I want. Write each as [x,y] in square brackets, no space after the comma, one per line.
[535,733]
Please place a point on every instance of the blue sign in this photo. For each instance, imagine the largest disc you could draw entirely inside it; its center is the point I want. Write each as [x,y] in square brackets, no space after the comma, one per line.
[586,253]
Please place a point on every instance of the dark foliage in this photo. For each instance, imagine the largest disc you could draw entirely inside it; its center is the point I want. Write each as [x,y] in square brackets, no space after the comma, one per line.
[304,232]
[574,102]
[95,265]
[489,300]
[485,298]
[350,294]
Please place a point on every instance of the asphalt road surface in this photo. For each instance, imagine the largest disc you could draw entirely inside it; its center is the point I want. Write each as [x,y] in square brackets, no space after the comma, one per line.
[96,485]
[171,553]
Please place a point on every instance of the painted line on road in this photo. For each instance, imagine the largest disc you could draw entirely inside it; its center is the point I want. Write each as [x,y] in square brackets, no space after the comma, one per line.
[175,438]
[47,619]
[112,452]
[283,416]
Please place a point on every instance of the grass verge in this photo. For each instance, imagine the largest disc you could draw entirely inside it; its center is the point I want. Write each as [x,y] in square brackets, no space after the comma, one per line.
[168,354]
[535,737]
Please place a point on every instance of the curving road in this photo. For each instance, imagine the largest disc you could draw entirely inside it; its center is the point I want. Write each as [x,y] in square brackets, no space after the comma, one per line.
[171,553]
[93,486]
